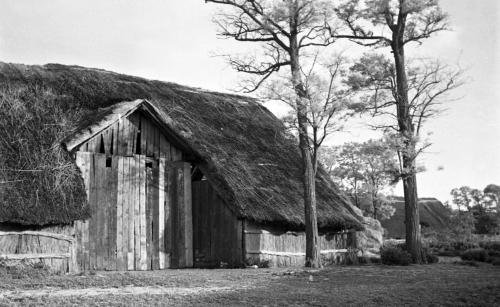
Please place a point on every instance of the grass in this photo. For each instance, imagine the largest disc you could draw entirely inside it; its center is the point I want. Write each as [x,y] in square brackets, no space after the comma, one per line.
[438,285]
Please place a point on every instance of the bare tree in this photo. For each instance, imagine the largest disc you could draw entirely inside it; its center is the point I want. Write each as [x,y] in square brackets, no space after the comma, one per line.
[283,30]
[394,24]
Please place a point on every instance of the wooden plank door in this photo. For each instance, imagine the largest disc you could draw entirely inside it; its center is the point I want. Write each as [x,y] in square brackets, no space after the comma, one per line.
[178,236]
[140,213]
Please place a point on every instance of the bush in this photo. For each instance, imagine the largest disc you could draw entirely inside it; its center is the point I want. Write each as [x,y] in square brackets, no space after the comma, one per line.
[431,258]
[495,246]
[394,256]
[495,261]
[475,254]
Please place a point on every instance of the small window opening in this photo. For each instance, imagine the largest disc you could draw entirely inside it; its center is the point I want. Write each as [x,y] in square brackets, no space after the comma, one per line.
[112,140]
[108,161]
[101,147]
[149,164]
[138,142]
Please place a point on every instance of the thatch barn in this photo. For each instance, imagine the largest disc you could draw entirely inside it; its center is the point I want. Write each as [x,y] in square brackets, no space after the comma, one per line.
[433,215]
[113,172]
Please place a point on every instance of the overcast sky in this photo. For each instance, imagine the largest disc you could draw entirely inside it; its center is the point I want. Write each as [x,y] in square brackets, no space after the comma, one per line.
[175,40]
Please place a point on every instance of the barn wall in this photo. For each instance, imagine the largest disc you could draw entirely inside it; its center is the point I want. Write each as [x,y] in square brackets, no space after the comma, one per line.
[277,247]
[133,135]
[53,246]
[140,213]
[139,191]
[217,232]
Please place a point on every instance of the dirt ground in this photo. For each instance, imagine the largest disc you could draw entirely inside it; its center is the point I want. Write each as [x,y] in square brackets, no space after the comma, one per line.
[374,285]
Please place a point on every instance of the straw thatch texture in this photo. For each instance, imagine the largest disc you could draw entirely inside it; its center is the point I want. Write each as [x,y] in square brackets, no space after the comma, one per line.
[39,182]
[243,148]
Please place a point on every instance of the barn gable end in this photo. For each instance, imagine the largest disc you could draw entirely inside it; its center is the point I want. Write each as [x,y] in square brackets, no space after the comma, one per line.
[139,191]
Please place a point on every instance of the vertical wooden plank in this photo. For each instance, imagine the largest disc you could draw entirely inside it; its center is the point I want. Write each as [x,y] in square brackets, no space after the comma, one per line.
[112,221]
[116,135]
[174,217]
[152,138]
[239,252]
[211,197]
[161,214]
[181,226]
[163,146]
[196,225]
[92,220]
[132,136]
[105,203]
[100,205]
[143,134]
[188,213]
[205,230]
[120,263]
[107,141]
[137,216]
[122,141]
[131,215]
[146,127]
[175,153]
[155,242]
[142,211]
[82,161]
[126,211]
[168,216]
[78,242]
[156,141]
[149,214]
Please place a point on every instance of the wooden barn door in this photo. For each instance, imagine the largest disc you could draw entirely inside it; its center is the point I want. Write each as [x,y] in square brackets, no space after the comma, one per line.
[140,214]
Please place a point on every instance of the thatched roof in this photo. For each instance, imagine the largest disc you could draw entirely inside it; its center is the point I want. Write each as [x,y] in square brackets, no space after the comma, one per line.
[242,148]
[433,214]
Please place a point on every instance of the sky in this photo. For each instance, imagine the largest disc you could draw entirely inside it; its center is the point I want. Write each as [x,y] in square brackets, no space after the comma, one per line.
[176,41]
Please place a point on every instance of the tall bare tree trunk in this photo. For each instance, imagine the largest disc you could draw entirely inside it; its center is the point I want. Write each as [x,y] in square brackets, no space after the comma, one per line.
[407,132]
[308,167]
[375,206]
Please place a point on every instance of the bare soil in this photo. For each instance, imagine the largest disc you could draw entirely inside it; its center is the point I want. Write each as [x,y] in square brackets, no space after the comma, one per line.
[371,285]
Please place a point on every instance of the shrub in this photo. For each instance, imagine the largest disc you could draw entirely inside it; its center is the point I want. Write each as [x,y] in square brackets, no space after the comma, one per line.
[394,256]
[475,254]
[431,258]
[495,261]
[495,246]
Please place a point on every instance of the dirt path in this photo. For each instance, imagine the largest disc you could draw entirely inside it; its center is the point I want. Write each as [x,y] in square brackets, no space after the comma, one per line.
[128,290]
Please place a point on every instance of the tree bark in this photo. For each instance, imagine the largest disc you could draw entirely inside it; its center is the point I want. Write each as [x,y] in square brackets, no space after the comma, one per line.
[406,131]
[375,204]
[308,165]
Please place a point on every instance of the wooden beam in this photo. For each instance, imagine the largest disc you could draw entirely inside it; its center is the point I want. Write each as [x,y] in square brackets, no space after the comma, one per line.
[34,256]
[38,233]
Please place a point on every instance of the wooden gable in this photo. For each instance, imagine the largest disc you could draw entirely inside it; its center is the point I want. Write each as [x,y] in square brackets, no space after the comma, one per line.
[135,134]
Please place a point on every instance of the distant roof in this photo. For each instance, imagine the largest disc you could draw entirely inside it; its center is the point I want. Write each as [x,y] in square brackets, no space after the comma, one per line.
[433,214]
[241,147]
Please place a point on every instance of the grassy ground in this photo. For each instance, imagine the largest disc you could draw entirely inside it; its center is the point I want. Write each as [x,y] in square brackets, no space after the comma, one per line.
[426,285]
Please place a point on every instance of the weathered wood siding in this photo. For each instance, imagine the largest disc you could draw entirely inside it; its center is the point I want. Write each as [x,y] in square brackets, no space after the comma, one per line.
[217,236]
[284,248]
[139,191]
[132,135]
[53,246]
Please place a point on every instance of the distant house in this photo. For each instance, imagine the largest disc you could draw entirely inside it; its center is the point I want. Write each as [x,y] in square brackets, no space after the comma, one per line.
[433,215]
[174,177]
